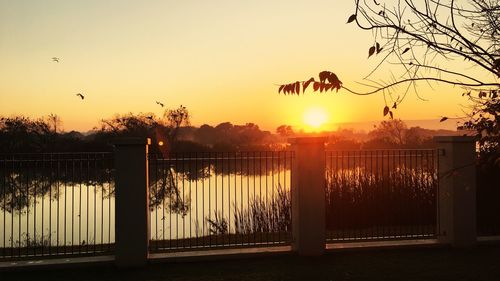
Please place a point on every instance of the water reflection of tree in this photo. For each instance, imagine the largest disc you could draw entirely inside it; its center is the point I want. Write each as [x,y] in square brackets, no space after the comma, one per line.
[168,175]
[198,166]
[164,191]
[17,193]
[27,179]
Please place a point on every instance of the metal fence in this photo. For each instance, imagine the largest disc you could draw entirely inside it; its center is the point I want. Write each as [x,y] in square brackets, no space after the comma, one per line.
[488,195]
[215,200]
[56,204]
[381,194]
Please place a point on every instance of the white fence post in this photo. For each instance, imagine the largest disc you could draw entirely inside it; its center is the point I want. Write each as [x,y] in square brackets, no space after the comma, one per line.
[308,196]
[457,190]
[132,202]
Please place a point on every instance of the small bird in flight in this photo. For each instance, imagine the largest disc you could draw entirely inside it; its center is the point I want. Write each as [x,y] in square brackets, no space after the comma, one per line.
[55,59]
[80,95]
[159,103]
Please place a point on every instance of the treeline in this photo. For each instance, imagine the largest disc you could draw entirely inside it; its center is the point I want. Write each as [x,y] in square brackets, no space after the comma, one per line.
[173,133]
[391,134]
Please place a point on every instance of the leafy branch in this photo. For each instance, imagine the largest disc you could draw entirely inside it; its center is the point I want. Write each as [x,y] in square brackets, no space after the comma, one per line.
[412,37]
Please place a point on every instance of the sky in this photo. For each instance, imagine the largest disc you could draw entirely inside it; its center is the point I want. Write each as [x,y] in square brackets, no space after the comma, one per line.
[222,60]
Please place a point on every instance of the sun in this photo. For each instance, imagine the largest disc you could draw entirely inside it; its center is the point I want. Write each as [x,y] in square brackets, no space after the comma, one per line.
[315,117]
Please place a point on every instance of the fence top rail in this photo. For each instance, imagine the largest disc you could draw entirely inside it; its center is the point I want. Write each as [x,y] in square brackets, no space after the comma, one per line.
[389,150]
[56,153]
[363,154]
[197,156]
[59,157]
[223,152]
[213,158]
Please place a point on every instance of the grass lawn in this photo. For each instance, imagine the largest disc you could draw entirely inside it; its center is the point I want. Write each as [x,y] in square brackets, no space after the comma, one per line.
[480,263]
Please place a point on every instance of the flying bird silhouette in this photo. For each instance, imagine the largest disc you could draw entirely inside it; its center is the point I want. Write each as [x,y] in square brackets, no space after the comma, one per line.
[80,95]
[55,59]
[159,103]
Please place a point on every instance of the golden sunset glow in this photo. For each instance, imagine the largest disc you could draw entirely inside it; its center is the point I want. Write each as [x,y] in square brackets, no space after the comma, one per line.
[216,59]
[315,117]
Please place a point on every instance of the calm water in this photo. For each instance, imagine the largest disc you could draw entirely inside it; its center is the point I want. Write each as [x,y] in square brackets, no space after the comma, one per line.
[71,201]
[78,213]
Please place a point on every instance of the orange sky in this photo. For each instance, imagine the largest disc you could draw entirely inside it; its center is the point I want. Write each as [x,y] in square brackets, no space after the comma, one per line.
[220,59]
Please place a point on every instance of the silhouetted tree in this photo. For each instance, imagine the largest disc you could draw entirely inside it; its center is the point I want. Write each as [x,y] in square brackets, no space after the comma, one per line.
[175,118]
[392,132]
[24,134]
[285,131]
[54,121]
[484,118]
[164,131]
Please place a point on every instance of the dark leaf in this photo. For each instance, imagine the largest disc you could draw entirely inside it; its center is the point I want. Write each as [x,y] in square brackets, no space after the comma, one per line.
[443,119]
[316,86]
[306,84]
[378,47]
[351,18]
[328,87]
[390,113]
[287,89]
[324,75]
[386,110]
[405,50]
[281,88]
[371,51]
[297,87]
[394,105]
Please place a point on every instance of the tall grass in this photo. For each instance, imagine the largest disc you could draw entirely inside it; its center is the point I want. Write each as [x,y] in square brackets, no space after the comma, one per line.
[261,216]
[401,200]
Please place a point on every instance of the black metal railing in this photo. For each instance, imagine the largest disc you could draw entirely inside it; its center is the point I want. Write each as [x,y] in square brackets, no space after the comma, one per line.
[226,199]
[56,204]
[488,196]
[381,194]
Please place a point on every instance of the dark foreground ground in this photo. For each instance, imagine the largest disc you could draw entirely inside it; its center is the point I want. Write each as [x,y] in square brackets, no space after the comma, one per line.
[481,263]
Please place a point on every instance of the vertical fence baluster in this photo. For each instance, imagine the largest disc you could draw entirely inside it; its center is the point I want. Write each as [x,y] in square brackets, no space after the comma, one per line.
[4,211]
